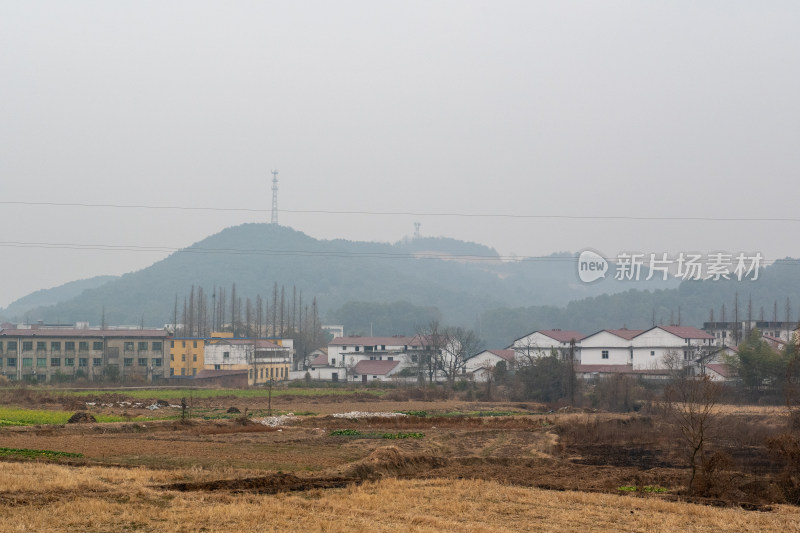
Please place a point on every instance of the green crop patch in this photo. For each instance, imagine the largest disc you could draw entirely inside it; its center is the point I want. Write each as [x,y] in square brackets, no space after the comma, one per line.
[35,454]
[357,434]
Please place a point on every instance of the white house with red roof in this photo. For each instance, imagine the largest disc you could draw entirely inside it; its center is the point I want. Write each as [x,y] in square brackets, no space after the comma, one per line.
[480,366]
[656,348]
[542,342]
[351,350]
[608,347]
[375,370]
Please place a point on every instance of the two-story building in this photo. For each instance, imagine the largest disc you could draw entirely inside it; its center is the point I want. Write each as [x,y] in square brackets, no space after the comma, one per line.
[264,360]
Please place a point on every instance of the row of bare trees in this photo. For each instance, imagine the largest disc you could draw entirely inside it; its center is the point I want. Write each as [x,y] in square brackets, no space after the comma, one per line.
[280,315]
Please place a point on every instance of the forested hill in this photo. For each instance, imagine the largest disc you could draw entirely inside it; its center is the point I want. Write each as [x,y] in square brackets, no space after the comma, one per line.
[462,280]
[775,294]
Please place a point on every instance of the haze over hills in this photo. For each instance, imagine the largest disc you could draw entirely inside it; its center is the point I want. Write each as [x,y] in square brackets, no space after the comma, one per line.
[387,289]
[461,279]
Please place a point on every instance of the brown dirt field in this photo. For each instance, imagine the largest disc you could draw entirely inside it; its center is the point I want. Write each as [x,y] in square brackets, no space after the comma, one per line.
[561,451]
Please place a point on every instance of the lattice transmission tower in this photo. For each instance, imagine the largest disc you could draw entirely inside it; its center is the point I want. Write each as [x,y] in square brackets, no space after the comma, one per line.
[274,197]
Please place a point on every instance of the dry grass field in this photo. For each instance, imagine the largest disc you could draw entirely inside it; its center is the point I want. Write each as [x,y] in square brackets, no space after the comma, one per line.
[453,466]
[42,497]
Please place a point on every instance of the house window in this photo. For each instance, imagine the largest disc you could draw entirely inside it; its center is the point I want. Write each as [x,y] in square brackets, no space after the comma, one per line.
[55,361]
[184,344]
[1,346]
[217,367]
[27,362]
[97,361]
[69,346]
[11,346]
[41,362]
[55,346]
[356,348]
[156,346]
[127,361]
[195,344]
[11,361]
[194,357]
[142,346]
[83,346]
[226,355]
[413,358]
[97,345]
[142,361]
[128,346]
[157,362]
[194,371]
[390,358]
[69,361]
[333,362]
[183,357]
[183,371]
[27,346]
[172,357]
[652,352]
[41,346]
[686,355]
[171,344]
[605,354]
[171,372]
[83,362]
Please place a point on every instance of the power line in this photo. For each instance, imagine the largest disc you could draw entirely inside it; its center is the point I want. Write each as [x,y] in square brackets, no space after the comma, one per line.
[320,253]
[411,213]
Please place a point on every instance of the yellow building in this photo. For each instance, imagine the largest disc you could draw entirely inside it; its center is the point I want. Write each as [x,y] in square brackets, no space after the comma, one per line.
[187,354]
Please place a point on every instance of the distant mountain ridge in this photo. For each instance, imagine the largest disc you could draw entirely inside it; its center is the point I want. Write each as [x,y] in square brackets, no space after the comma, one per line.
[255,256]
[17,309]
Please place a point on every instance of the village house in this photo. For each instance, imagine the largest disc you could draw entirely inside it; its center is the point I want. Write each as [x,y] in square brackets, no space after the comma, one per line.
[542,343]
[264,360]
[658,348]
[481,366]
[349,351]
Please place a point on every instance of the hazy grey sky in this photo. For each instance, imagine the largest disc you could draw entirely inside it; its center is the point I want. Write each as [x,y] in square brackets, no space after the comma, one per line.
[668,109]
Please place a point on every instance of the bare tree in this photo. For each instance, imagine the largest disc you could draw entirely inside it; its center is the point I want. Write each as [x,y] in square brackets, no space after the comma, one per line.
[458,345]
[692,406]
[432,338]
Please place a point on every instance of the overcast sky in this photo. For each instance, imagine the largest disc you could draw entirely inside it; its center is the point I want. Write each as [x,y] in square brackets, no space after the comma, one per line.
[641,109]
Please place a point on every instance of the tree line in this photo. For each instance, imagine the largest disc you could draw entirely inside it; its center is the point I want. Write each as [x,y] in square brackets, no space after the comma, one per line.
[279,315]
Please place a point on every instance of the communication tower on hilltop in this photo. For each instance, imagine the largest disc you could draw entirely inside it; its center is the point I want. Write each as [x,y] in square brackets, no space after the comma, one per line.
[274,197]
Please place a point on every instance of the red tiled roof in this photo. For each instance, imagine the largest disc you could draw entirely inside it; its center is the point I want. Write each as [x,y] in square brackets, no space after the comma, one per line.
[375,368]
[69,332]
[686,332]
[560,335]
[320,360]
[726,371]
[625,333]
[774,339]
[398,340]
[508,355]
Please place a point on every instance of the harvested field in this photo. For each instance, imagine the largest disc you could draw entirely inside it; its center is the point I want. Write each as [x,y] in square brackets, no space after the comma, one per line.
[231,461]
